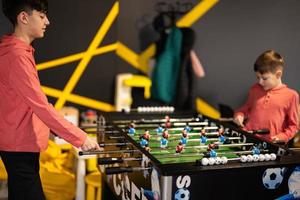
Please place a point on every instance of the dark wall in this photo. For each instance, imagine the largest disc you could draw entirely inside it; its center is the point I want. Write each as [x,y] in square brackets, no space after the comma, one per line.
[234,33]
[73,26]
[230,36]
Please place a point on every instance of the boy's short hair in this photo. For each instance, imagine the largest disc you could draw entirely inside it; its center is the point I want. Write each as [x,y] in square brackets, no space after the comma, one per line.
[269,61]
[12,8]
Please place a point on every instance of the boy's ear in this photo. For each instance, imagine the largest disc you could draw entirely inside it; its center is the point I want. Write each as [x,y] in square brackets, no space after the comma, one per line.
[278,73]
[23,17]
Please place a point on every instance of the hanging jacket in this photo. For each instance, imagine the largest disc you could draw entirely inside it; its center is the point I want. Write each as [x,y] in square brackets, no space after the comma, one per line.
[166,71]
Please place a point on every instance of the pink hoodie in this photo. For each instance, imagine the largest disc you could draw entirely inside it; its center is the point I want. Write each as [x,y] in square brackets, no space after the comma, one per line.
[25,114]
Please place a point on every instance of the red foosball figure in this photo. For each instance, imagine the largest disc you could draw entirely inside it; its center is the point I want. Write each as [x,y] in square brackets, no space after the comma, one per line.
[179,147]
[184,133]
[165,134]
[146,135]
[168,123]
[212,146]
[131,125]
[221,131]
[202,132]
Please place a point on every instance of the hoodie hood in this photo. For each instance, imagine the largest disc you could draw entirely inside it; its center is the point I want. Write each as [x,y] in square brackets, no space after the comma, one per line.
[10,43]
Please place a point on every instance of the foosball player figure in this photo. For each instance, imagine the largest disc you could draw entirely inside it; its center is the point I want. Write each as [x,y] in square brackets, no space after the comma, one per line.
[143,142]
[187,128]
[203,138]
[168,123]
[255,150]
[184,137]
[164,140]
[165,134]
[146,135]
[159,130]
[131,129]
[222,138]
[211,151]
[179,148]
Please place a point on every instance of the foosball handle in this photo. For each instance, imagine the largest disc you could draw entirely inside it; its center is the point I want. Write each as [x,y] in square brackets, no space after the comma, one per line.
[280,142]
[117,170]
[260,131]
[105,161]
[83,153]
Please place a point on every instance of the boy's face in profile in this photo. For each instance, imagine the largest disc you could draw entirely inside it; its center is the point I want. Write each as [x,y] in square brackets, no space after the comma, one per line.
[269,80]
[36,23]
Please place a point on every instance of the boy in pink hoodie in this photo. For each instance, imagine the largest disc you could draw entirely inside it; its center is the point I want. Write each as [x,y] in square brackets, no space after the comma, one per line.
[26,117]
[270,104]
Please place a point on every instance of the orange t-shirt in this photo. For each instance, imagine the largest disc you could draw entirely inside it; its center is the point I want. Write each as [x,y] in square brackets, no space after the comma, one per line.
[275,109]
[25,114]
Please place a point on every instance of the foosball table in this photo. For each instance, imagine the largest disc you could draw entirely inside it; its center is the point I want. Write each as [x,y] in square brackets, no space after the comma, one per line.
[189,156]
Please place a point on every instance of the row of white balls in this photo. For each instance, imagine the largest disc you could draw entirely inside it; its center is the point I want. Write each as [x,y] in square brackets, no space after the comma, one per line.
[260,157]
[163,109]
[244,158]
[214,160]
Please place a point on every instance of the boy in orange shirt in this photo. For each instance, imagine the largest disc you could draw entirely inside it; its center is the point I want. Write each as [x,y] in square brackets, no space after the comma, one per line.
[270,104]
[26,115]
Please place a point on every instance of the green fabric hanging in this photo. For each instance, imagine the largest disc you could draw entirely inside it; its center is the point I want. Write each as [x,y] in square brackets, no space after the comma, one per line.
[166,70]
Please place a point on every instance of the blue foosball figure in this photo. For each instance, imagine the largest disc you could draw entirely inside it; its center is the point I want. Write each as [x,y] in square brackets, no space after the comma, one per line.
[255,151]
[163,143]
[222,139]
[143,142]
[203,140]
[212,153]
[183,141]
[159,130]
[131,131]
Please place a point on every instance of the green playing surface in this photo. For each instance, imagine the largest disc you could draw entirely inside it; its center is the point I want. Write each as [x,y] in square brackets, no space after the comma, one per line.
[193,149]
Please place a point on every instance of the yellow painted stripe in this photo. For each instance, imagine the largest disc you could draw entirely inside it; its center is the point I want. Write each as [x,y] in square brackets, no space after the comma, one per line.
[204,108]
[80,100]
[51,92]
[88,55]
[197,12]
[128,55]
[74,57]
[145,56]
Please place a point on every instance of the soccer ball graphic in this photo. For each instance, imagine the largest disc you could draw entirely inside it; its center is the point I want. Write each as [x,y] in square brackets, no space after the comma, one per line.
[273,177]
[182,194]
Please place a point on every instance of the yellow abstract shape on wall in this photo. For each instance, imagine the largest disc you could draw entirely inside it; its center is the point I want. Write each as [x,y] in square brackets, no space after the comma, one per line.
[139,61]
[206,109]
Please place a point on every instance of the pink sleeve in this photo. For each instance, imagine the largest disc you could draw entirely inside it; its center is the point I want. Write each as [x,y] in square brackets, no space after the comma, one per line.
[196,64]
[292,121]
[24,81]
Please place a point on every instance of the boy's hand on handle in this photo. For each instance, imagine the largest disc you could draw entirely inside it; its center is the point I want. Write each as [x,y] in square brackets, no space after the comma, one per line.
[239,120]
[277,140]
[90,145]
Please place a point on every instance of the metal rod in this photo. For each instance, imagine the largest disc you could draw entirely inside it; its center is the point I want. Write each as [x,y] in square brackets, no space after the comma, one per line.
[114,144]
[116,137]
[175,155]
[101,131]
[155,120]
[180,134]
[81,153]
[205,146]
[192,124]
